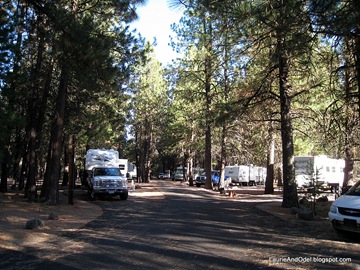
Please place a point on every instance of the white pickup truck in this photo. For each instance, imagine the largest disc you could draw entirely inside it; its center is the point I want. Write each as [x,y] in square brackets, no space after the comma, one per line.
[103,175]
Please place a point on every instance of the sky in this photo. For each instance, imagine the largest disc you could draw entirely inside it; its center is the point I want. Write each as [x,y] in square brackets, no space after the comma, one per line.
[155,19]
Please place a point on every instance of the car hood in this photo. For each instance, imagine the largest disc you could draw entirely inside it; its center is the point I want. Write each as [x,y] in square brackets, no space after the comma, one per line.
[348,201]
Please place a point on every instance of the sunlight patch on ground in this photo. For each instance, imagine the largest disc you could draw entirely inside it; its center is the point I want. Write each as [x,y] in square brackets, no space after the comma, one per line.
[259,199]
[146,194]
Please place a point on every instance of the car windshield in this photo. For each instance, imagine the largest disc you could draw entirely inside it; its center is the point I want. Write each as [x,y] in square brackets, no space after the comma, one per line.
[355,190]
[107,172]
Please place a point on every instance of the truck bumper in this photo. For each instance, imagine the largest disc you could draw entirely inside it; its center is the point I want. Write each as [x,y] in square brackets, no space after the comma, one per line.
[104,191]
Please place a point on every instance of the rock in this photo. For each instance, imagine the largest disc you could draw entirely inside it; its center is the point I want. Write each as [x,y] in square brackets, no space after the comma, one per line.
[306,214]
[303,213]
[304,201]
[34,223]
[53,216]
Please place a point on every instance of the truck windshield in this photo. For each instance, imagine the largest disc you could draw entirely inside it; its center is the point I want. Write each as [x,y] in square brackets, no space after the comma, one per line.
[107,172]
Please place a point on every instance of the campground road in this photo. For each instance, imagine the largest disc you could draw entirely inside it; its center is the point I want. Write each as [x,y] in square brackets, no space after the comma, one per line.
[174,226]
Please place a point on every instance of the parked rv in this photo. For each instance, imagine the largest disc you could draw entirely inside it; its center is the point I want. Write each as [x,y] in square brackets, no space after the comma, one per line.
[131,172]
[260,175]
[319,170]
[245,174]
[239,174]
[104,175]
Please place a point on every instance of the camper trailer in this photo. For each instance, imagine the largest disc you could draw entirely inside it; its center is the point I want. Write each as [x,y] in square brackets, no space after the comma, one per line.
[320,169]
[245,174]
[239,174]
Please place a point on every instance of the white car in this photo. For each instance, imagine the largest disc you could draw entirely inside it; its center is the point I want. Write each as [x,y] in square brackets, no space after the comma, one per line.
[344,213]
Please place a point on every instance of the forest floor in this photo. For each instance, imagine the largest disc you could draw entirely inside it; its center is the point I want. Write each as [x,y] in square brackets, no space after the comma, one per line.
[15,211]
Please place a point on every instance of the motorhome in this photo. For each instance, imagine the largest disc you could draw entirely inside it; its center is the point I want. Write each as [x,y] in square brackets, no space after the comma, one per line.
[103,174]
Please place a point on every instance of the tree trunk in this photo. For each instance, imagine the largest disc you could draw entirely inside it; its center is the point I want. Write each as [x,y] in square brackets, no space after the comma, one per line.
[290,197]
[190,168]
[208,76]
[349,166]
[191,157]
[208,157]
[137,156]
[33,112]
[4,171]
[148,154]
[269,183]
[65,179]
[224,124]
[52,194]
[46,183]
[348,142]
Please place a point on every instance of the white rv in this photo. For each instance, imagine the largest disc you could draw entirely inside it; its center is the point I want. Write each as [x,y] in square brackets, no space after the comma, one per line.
[322,169]
[239,174]
[245,174]
[103,174]
[132,171]
[260,174]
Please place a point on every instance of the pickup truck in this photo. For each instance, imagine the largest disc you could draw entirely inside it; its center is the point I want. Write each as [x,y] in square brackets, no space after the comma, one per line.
[103,175]
[201,179]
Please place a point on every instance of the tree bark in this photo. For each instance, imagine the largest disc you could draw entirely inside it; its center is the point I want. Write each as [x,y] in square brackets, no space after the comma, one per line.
[269,183]
[52,193]
[290,197]
[208,75]
[4,172]
[223,156]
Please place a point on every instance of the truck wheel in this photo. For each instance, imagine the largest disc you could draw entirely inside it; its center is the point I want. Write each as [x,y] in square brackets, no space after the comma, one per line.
[124,196]
[93,197]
